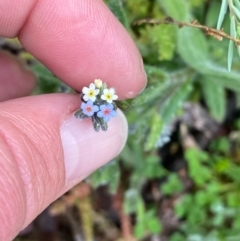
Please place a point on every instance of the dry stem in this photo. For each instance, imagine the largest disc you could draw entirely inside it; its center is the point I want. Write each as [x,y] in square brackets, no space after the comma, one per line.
[218,34]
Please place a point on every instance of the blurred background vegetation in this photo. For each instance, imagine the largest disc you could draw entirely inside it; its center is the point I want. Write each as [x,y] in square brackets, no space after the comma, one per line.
[178,178]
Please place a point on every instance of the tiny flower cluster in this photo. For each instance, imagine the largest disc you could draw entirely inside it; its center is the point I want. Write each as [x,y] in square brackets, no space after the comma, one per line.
[98,103]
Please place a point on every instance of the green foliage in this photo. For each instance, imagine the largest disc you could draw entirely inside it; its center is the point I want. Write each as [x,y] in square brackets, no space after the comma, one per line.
[199,173]
[177,9]
[118,10]
[155,130]
[163,39]
[172,185]
[106,175]
[47,82]
[174,101]
[216,102]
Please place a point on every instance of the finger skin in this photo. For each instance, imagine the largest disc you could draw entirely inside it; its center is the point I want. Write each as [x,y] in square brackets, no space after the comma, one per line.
[79,41]
[32,170]
[16,80]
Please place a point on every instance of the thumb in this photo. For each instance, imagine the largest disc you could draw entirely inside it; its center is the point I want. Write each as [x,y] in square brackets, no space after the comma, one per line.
[44,151]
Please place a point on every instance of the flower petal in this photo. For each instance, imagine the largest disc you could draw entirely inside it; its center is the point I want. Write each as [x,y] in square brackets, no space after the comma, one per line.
[85,97]
[100,114]
[106,118]
[96,91]
[92,86]
[113,113]
[85,90]
[102,107]
[95,108]
[112,91]
[114,97]
[90,102]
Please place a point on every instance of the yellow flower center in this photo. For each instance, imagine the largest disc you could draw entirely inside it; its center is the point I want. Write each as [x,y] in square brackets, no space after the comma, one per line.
[91,93]
[109,96]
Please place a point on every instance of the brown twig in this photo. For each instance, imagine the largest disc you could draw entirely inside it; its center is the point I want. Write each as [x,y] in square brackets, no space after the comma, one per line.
[218,34]
[126,225]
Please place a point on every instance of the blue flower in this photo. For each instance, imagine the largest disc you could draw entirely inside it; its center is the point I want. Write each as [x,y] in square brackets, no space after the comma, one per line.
[106,112]
[88,108]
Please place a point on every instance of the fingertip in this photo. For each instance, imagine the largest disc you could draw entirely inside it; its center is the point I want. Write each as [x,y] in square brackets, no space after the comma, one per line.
[85,150]
[18,81]
[81,41]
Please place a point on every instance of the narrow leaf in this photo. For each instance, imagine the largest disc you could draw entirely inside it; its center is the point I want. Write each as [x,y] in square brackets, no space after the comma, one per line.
[237,4]
[238,49]
[237,11]
[174,101]
[155,130]
[150,93]
[233,27]
[153,70]
[230,55]
[222,13]
[216,101]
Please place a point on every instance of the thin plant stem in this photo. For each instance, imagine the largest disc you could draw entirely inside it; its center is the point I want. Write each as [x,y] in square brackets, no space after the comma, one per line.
[218,34]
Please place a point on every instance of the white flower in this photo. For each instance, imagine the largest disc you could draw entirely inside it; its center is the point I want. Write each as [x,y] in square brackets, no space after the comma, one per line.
[98,83]
[109,95]
[90,93]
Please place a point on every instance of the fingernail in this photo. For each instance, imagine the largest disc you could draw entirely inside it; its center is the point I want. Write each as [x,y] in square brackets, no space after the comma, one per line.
[85,150]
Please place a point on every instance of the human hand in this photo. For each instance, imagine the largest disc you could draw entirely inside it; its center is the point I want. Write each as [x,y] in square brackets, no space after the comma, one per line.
[45,150]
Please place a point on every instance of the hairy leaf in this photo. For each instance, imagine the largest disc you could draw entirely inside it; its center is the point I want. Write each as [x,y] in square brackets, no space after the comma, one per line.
[117,8]
[214,95]
[155,130]
[192,47]
[177,9]
[174,101]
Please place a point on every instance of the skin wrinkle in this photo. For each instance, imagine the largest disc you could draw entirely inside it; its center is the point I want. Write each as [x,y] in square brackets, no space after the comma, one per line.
[25,176]
[13,20]
[31,179]
[18,195]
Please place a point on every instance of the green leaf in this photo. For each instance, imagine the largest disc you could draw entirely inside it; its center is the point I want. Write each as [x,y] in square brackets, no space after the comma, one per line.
[192,47]
[230,55]
[237,11]
[153,70]
[222,13]
[151,93]
[155,130]
[172,185]
[133,203]
[108,174]
[237,4]
[174,101]
[118,10]
[153,224]
[223,77]
[197,171]
[177,9]
[47,82]
[124,105]
[152,167]
[163,38]
[216,101]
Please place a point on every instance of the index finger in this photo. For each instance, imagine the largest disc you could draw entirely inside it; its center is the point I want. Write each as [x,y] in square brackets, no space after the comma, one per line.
[78,41]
